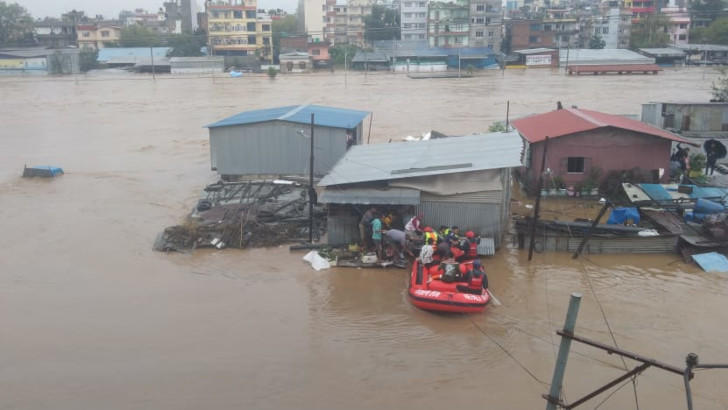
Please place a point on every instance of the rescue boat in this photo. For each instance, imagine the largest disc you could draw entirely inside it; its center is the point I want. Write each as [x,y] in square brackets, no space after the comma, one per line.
[449,287]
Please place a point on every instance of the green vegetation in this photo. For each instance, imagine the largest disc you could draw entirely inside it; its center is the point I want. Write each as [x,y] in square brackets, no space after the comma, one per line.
[186,45]
[272,72]
[338,52]
[497,127]
[597,42]
[87,59]
[382,24]
[139,36]
[284,27]
[707,9]
[650,32]
[719,88]
[715,33]
[16,25]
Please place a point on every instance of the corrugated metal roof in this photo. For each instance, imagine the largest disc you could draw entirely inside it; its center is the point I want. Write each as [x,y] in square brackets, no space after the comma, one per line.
[397,160]
[373,196]
[535,50]
[712,262]
[569,121]
[323,116]
[369,56]
[663,52]
[603,56]
[107,53]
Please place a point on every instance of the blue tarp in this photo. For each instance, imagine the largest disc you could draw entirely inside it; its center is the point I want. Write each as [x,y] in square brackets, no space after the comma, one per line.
[712,262]
[620,215]
[656,192]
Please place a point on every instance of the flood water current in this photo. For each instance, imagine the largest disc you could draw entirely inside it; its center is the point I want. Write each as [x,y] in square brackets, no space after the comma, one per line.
[92,318]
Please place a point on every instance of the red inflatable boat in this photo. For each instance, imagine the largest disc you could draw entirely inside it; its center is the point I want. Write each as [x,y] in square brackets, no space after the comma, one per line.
[456,287]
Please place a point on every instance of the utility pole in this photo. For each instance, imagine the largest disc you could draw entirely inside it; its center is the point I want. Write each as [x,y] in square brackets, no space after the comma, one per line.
[558,379]
[311,191]
[151,53]
[534,221]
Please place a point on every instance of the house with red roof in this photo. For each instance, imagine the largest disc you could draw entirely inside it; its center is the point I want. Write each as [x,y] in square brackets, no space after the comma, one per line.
[582,141]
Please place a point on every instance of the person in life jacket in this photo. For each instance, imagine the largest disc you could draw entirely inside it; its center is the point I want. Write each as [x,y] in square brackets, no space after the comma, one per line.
[430,235]
[470,246]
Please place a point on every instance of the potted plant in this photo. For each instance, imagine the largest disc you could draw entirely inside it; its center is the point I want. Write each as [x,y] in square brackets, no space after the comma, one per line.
[697,165]
[591,183]
[559,185]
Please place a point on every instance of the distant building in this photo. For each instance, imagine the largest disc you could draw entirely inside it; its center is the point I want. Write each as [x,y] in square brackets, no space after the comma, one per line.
[39,61]
[295,62]
[413,20]
[665,56]
[679,28]
[486,24]
[527,34]
[640,8]
[448,24]
[581,141]
[276,141]
[538,57]
[55,33]
[694,120]
[564,27]
[613,26]
[95,35]
[234,29]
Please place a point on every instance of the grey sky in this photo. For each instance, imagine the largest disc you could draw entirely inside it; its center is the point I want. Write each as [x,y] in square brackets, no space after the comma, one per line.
[111,8]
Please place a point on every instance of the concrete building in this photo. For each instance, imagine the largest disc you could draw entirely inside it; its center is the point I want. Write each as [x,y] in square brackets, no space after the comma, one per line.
[584,142]
[39,61]
[466,184]
[448,24]
[235,30]
[318,18]
[527,34]
[413,20]
[613,26]
[640,8]
[694,120]
[679,28]
[276,141]
[55,33]
[564,27]
[97,34]
[486,21]
[295,62]
[197,65]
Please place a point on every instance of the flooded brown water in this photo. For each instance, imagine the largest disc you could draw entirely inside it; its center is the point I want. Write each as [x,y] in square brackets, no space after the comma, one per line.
[93,318]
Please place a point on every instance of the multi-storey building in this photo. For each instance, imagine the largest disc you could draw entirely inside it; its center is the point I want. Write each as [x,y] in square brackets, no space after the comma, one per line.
[97,35]
[55,33]
[564,27]
[234,29]
[181,16]
[613,26]
[640,8]
[527,34]
[318,19]
[413,20]
[346,21]
[679,27]
[485,23]
[448,24]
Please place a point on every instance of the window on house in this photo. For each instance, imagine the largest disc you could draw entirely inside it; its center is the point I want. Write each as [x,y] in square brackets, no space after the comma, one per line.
[421,4]
[478,34]
[575,165]
[104,33]
[683,26]
[536,27]
[605,30]
[302,65]
[316,52]
[490,33]
[408,36]
[421,36]
[534,39]
[480,7]
[408,15]
[86,34]
[237,14]
[682,37]
[408,4]
[266,27]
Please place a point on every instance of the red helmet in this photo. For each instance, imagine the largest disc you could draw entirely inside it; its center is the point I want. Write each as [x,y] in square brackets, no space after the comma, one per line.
[470,234]
[428,229]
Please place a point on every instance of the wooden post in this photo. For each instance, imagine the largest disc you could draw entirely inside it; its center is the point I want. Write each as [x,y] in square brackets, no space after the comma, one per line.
[534,221]
[560,368]
[311,191]
[591,229]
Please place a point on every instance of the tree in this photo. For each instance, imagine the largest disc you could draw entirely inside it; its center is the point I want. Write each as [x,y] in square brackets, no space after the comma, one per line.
[283,27]
[87,59]
[340,51]
[16,25]
[719,88]
[650,32]
[716,32]
[707,9]
[597,42]
[139,36]
[382,24]
[187,45]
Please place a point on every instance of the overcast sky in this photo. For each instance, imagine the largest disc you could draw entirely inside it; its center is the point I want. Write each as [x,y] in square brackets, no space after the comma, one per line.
[111,8]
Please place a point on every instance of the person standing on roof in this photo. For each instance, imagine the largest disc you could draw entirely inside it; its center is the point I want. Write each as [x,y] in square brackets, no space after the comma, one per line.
[413,228]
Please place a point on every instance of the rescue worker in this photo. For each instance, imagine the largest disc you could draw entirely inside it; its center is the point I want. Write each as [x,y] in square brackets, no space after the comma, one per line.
[470,246]
[443,231]
[430,234]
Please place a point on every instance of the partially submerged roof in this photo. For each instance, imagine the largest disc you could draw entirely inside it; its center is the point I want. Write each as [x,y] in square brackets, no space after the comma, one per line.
[323,116]
[539,50]
[663,52]
[369,56]
[569,121]
[398,160]
[602,56]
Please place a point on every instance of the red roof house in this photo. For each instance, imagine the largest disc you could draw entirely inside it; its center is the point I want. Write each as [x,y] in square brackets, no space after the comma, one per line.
[584,141]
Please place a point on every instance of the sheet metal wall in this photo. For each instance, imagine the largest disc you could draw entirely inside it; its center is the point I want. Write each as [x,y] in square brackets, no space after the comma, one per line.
[275,147]
[482,218]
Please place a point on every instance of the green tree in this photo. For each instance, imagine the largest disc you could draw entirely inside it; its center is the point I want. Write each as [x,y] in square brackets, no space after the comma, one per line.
[716,32]
[707,9]
[338,52]
[88,59]
[139,36]
[719,88]
[16,25]
[284,27]
[650,32]
[597,42]
[382,24]
[186,45]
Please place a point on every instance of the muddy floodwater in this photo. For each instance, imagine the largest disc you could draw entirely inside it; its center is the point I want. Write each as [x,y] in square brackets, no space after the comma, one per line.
[92,318]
